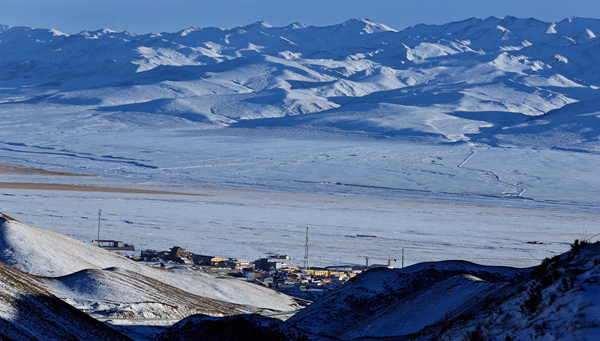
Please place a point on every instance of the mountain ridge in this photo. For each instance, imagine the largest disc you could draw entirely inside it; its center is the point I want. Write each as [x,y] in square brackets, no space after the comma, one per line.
[337,64]
[476,83]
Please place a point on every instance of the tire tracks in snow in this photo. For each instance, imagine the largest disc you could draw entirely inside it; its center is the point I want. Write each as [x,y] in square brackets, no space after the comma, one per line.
[474,149]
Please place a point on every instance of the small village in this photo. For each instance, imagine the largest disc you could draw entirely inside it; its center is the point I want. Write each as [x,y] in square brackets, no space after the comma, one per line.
[271,271]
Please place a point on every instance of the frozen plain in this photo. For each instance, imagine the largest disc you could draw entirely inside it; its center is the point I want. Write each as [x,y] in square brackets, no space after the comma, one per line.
[411,196]
[457,141]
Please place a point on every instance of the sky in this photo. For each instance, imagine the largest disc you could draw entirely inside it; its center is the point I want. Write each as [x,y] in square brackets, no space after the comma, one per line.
[149,16]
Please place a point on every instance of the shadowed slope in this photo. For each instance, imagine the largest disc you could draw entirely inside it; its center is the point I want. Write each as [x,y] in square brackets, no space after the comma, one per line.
[29,312]
[46,253]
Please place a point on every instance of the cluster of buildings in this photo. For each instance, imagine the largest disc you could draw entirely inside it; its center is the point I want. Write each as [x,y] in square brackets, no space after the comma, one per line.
[178,255]
[271,271]
[293,278]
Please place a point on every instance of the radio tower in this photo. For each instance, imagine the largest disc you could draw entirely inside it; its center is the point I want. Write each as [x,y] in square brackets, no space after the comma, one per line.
[306,262]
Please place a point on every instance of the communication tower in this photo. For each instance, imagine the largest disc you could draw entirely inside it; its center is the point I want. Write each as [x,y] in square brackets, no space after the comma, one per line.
[306,261]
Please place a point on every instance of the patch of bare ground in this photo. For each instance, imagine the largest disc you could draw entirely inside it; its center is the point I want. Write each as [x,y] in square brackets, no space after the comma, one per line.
[7,168]
[80,188]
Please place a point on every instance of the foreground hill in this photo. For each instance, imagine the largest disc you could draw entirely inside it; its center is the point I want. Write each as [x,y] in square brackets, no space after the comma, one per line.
[559,302]
[45,253]
[108,286]
[413,297]
[236,328]
[29,312]
[440,301]
[124,294]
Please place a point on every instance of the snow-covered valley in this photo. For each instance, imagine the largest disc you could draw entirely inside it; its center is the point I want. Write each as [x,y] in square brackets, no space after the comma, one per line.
[459,141]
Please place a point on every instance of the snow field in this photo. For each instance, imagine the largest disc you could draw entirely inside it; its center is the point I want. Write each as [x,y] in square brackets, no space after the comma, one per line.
[248,224]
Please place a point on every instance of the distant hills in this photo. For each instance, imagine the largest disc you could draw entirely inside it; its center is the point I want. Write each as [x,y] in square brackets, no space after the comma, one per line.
[460,81]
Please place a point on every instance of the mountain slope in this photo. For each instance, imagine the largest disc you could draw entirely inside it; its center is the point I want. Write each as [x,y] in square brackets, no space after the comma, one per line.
[124,294]
[29,312]
[558,302]
[451,297]
[572,127]
[441,301]
[213,77]
[46,253]
[413,297]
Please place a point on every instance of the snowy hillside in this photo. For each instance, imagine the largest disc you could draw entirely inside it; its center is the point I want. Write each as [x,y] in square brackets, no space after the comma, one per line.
[556,300]
[42,252]
[413,297]
[29,312]
[122,294]
[559,302]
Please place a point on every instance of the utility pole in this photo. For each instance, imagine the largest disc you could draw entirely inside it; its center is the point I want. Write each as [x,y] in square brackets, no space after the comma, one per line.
[99,215]
[306,261]
[402,257]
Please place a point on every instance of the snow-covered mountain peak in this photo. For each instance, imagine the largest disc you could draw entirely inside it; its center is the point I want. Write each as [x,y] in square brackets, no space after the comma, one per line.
[367,26]
[106,31]
[585,36]
[189,30]
[57,33]
[551,29]
[256,25]
[296,25]
[263,24]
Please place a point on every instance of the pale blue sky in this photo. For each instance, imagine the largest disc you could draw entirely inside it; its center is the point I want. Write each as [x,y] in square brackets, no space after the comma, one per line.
[145,16]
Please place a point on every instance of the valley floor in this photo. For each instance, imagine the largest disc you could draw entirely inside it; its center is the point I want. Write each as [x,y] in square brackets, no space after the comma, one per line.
[248,223]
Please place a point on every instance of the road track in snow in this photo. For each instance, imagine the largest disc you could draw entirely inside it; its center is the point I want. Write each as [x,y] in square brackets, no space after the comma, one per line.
[520,190]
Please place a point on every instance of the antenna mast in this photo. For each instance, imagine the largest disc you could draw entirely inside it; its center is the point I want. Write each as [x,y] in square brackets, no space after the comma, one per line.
[99,214]
[306,262]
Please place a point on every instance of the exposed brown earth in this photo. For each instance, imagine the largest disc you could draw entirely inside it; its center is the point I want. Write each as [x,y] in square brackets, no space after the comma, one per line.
[7,168]
[78,188]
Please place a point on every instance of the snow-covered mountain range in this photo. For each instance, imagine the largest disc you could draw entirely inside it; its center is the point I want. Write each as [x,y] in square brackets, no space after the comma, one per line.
[147,106]
[427,80]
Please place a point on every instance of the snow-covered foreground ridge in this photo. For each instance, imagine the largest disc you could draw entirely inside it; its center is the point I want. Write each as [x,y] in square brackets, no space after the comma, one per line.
[113,281]
[373,77]
[451,300]
[29,312]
